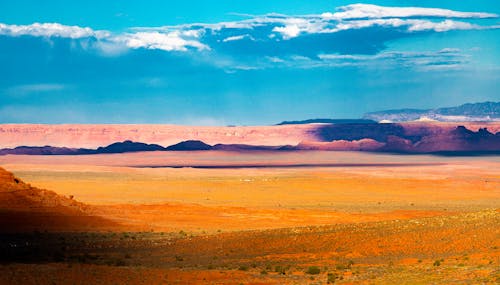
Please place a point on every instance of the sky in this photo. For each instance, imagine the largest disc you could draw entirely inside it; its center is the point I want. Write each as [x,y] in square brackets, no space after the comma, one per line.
[235,62]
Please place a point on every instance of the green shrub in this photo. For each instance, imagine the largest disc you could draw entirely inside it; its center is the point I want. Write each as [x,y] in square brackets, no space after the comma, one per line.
[313,270]
[331,278]
[280,269]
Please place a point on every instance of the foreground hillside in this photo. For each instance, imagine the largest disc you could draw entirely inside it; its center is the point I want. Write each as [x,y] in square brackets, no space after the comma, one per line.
[26,208]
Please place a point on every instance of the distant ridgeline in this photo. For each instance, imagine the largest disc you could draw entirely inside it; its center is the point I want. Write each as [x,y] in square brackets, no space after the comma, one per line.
[486,111]
[328,121]
[398,138]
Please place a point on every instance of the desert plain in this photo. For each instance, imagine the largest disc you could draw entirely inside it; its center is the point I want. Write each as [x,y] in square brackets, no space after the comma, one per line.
[270,217]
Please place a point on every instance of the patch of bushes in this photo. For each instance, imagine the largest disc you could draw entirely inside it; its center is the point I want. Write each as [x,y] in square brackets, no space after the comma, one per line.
[331,277]
[313,270]
[348,265]
[280,269]
[437,262]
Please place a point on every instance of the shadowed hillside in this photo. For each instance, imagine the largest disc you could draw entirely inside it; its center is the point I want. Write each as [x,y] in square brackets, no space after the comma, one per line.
[26,208]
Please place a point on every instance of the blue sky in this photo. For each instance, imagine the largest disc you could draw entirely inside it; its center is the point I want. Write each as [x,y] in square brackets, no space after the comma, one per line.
[242,62]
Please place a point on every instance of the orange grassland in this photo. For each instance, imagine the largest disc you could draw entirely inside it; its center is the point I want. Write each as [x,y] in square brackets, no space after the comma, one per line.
[389,219]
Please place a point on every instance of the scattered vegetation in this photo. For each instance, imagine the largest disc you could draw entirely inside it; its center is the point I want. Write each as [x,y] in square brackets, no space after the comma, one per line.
[348,265]
[313,270]
[280,269]
[243,268]
[331,278]
[437,263]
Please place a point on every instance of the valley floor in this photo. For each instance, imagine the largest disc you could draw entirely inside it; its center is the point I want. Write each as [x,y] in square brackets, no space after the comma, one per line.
[364,219]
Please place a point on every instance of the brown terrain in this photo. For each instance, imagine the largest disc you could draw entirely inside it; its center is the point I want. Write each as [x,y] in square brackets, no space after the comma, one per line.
[303,217]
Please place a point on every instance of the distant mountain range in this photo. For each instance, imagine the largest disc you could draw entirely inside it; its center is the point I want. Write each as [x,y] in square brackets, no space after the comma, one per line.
[384,131]
[486,111]
[118,147]
[130,146]
[394,137]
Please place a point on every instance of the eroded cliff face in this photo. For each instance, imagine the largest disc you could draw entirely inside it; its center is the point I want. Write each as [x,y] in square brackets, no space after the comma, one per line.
[93,136]
[403,137]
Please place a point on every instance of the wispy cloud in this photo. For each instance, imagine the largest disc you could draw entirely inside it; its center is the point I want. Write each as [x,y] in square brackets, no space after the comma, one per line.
[21,90]
[51,30]
[273,36]
[359,11]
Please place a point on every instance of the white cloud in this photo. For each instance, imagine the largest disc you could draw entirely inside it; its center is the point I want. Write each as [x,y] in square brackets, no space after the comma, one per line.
[109,43]
[172,41]
[238,38]
[50,30]
[444,26]
[289,31]
[449,50]
[281,27]
[359,11]
[412,25]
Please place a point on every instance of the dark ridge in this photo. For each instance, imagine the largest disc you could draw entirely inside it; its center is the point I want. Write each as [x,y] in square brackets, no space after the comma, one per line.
[328,121]
[456,142]
[378,132]
[463,132]
[44,150]
[189,145]
[118,147]
[128,146]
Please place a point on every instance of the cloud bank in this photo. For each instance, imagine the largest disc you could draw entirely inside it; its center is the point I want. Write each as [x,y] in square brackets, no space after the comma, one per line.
[357,29]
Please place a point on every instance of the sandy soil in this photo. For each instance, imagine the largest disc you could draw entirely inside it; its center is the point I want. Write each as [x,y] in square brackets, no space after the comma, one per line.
[408,220]
[424,183]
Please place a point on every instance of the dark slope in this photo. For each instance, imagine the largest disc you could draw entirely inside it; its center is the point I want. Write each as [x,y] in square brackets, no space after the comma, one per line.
[189,145]
[128,146]
[118,147]
[26,208]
